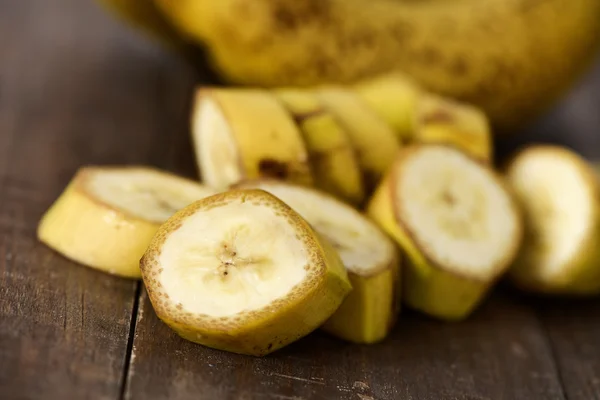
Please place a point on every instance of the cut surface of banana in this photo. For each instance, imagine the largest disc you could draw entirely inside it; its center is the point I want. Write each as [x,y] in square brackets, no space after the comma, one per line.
[370,257]
[241,271]
[456,222]
[375,142]
[333,160]
[246,133]
[560,198]
[441,120]
[106,216]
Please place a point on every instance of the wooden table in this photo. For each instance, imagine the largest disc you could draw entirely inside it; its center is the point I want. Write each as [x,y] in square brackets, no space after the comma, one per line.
[78,88]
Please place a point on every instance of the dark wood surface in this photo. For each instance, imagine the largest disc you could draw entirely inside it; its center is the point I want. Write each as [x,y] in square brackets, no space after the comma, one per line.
[78,88]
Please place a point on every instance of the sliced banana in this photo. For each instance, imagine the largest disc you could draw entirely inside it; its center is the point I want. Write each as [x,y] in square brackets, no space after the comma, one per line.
[374,141]
[441,120]
[246,133]
[394,97]
[333,159]
[106,216]
[560,197]
[241,271]
[456,222]
[369,312]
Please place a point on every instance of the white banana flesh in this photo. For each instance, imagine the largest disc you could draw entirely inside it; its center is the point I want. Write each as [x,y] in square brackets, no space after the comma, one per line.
[219,158]
[235,265]
[460,217]
[143,192]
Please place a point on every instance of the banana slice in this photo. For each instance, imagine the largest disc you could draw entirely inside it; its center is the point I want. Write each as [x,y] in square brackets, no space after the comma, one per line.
[241,271]
[394,98]
[370,310]
[246,133]
[560,196]
[374,141]
[455,221]
[333,160]
[106,216]
[441,120]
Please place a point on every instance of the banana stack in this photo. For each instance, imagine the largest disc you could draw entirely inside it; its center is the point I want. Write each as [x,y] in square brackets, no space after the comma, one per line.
[332,207]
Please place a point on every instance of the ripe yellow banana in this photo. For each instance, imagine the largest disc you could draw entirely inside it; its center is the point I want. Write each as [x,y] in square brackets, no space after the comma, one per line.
[456,223]
[107,216]
[512,58]
[243,272]
[333,160]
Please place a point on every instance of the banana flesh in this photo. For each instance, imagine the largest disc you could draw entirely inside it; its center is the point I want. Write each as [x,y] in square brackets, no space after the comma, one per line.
[106,216]
[456,223]
[369,312]
[241,271]
[333,159]
[560,197]
[244,134]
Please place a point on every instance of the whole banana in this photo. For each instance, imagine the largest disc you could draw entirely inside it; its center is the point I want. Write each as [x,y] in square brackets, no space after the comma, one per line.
[513,58]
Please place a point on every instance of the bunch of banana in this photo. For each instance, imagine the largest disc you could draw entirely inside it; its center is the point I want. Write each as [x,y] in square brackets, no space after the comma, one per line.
[512,58]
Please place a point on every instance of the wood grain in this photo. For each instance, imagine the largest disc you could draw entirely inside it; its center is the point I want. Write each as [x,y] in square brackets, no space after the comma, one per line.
[574,331]
[499,353]
[74,90]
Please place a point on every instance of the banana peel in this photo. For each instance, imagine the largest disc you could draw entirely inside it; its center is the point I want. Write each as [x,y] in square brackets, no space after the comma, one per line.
[333,159]
[394,97]
[374,141]
[441,120]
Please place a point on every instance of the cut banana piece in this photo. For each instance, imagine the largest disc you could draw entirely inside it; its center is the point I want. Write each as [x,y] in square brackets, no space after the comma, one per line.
[241,271]
[394,98]
[106,216]
[456,222]
[560,196]
[333,159]
[441,120]
[374,141]
[246,133]
[370,257]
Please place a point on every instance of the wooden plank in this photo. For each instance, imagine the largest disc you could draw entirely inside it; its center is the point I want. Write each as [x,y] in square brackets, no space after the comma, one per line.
[499,353]
[574,331]
[75,88]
